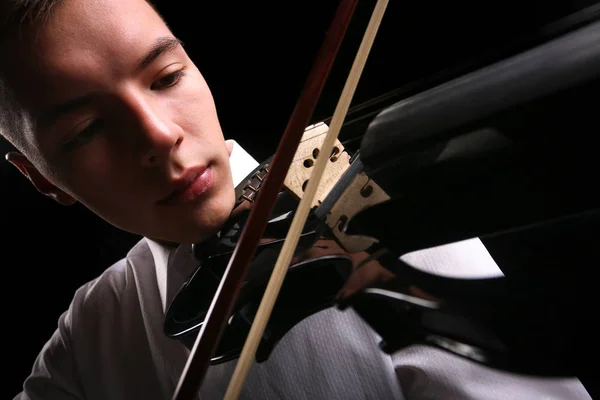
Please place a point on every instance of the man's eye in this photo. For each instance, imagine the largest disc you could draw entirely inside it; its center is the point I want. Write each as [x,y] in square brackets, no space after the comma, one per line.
[85,135]
[168,81]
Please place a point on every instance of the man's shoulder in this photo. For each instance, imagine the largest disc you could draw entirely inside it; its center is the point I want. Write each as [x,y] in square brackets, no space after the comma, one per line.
[106,322]
[107,292]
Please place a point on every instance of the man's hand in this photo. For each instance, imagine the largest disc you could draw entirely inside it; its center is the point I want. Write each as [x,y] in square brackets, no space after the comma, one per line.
[364,275]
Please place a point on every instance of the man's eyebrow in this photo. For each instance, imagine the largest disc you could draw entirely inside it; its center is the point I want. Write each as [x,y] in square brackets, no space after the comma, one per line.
[161,45]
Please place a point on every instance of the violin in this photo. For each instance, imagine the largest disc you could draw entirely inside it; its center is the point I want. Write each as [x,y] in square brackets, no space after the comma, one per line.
[440,168]
[325,274]
[229,287]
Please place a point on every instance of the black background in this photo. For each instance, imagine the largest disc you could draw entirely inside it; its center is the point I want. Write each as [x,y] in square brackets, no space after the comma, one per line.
[255,57]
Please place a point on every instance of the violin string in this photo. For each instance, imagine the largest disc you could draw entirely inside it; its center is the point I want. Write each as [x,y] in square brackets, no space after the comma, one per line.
[346,142]
[303,140]
[372,257]
[286,253]
[353,121]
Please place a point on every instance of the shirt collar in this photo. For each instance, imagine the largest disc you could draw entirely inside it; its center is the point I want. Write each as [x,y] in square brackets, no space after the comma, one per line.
[174,265]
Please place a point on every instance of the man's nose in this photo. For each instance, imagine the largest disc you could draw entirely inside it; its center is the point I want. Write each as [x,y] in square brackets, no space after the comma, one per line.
[160,134]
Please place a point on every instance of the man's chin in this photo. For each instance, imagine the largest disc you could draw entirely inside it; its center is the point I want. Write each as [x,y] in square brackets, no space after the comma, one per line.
[201,222]
[206,226]
[191,237]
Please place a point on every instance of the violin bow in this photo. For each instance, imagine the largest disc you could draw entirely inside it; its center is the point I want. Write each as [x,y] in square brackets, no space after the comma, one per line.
[291,241]
[227,293]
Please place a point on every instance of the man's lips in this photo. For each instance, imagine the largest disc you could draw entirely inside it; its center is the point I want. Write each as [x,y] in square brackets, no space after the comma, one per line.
[193,184]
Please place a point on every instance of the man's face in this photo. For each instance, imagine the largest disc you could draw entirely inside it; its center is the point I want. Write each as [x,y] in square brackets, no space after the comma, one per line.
[124,121]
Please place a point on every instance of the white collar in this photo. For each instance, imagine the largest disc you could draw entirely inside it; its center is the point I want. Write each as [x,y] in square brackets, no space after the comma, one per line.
[174,265]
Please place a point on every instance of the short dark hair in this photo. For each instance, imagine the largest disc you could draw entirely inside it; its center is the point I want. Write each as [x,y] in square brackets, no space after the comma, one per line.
[23,14]
[19,14]
[17,18]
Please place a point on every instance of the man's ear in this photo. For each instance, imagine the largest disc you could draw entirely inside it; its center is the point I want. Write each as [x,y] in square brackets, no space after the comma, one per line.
[38,180]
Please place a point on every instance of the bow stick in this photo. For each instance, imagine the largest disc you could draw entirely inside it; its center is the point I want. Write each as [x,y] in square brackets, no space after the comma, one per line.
[291,241]
[227,293]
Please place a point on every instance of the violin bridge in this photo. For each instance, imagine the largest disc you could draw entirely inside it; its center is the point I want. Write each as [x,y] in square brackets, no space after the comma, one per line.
[304,161]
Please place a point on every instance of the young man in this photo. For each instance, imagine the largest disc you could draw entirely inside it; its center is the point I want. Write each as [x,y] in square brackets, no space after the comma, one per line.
[106,109]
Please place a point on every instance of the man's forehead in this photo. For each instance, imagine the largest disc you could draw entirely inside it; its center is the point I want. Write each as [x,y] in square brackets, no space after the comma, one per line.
[84,40]
[103,25]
